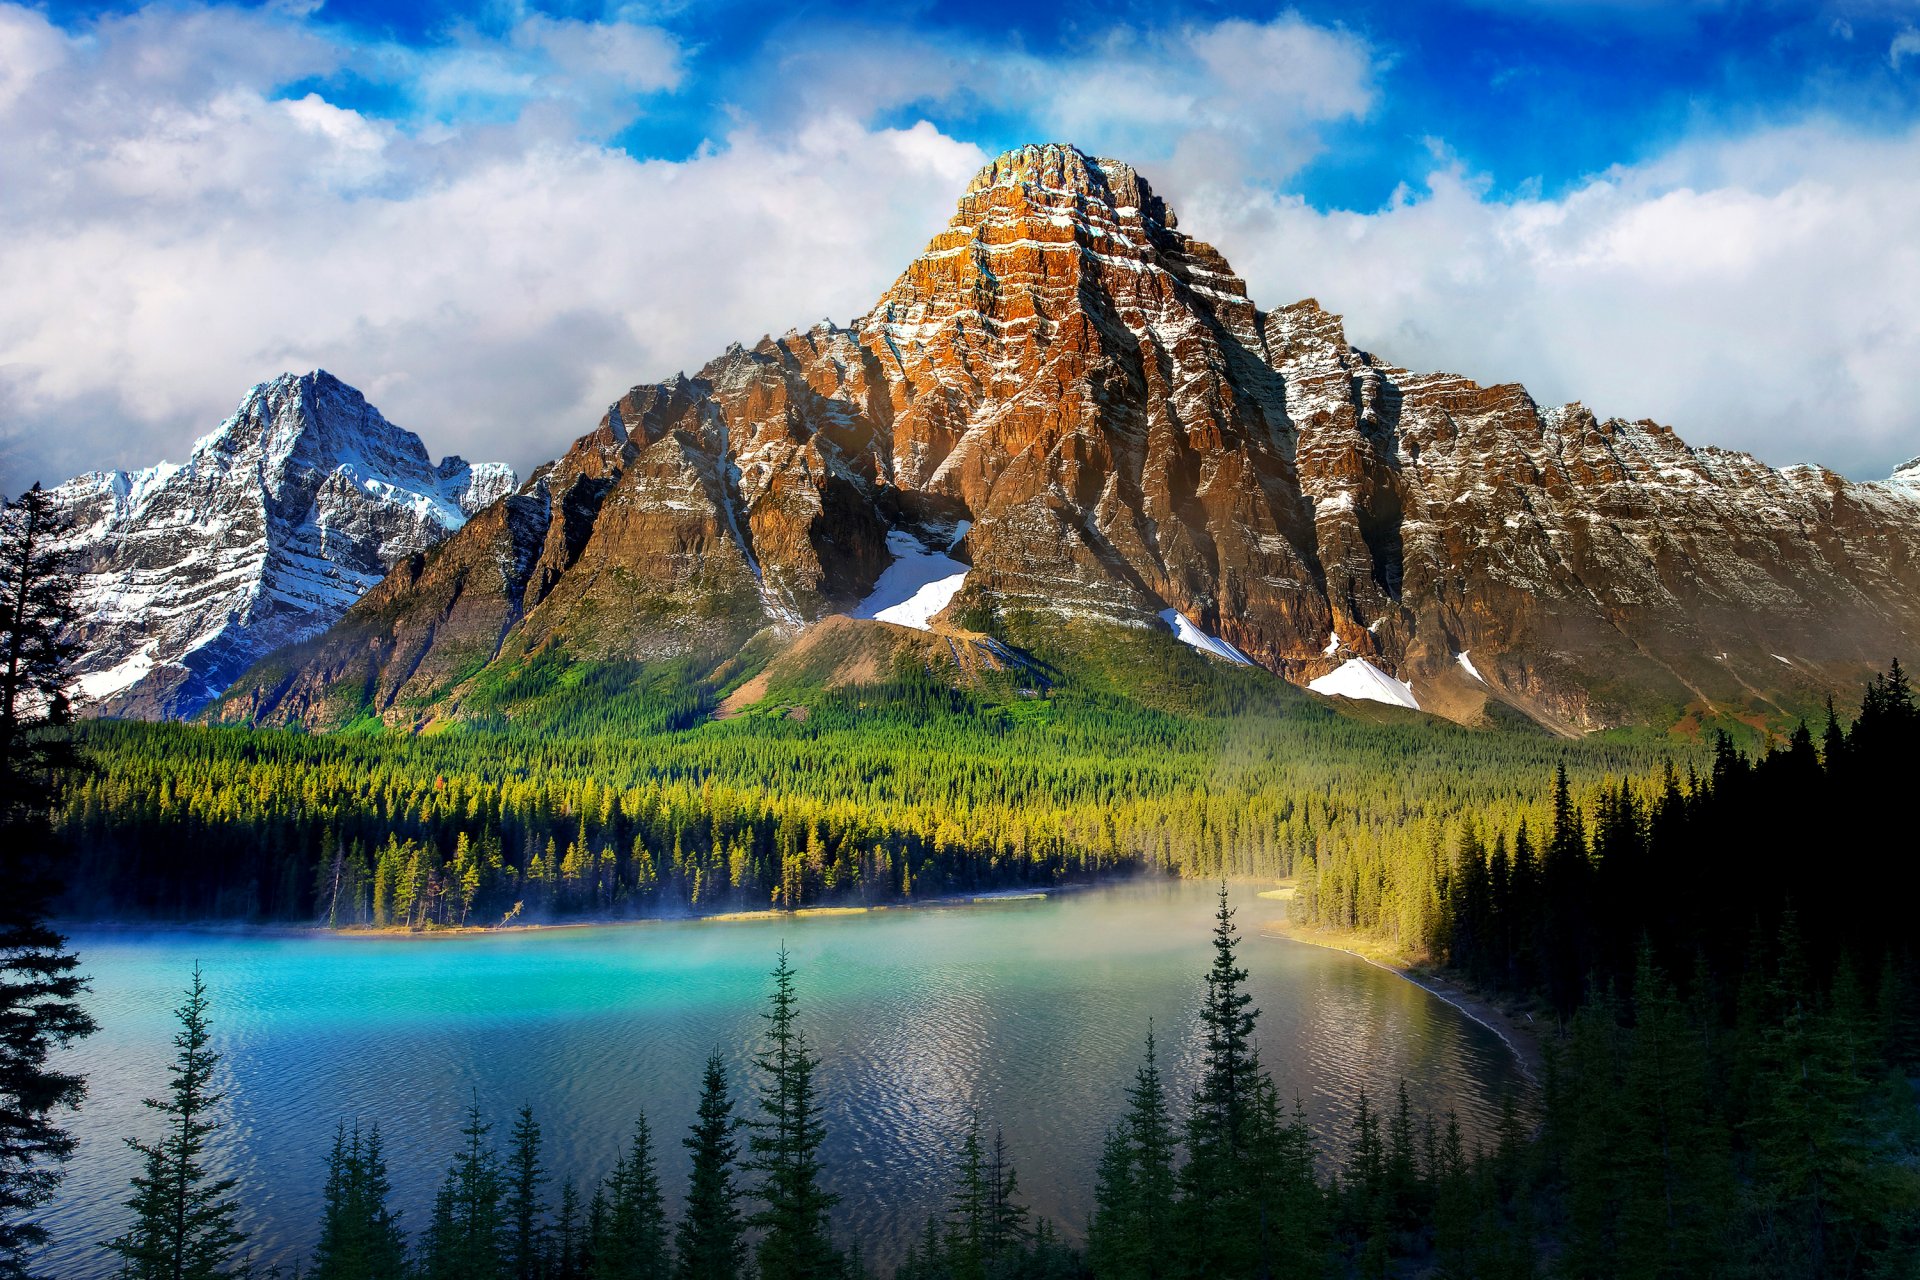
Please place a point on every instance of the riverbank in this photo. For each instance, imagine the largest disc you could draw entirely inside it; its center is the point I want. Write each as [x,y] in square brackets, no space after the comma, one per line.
[1523,1034]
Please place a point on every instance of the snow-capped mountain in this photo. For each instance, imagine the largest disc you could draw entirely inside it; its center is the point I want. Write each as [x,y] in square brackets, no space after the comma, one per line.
[1075,402]
[277,521]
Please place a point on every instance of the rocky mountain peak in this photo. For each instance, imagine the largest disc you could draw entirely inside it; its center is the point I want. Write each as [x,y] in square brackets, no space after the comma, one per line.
[279,519]
[1068,409]
[1063,177]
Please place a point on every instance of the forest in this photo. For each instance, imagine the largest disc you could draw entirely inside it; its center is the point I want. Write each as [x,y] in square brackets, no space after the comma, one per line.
[904,789]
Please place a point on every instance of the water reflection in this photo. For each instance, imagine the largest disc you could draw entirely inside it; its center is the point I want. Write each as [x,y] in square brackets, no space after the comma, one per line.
[1030,1012]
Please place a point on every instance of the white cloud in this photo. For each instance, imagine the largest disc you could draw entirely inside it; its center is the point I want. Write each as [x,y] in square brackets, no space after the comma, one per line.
[1906,42]
[1760,292]
[491,271]
[170,231]
[1231,99]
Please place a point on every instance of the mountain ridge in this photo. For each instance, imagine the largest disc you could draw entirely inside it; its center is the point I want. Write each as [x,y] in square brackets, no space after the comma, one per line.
[279,519]
[1124,432]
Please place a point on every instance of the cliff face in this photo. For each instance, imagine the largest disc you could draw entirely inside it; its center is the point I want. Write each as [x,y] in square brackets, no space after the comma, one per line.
[277,522]
[1078,403]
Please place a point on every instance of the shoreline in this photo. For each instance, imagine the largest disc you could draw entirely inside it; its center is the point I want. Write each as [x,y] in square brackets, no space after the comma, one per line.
[986,898]
[1521,1035]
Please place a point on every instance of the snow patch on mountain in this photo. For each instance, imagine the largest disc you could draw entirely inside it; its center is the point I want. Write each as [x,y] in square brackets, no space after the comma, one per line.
[1466,664]
[1906,480]
[1360,679]
[279,519]
[918,584]
[1212,646]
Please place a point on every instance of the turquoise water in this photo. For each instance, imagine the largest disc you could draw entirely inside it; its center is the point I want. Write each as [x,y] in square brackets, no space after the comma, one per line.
[1030,1012]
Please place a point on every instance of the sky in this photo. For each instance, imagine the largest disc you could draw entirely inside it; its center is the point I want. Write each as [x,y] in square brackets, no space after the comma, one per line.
[493,219]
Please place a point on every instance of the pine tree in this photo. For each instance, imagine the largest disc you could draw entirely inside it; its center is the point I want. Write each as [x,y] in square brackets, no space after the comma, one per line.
[527,1238]
[967,1210]
[40,984]
[567,1260]
[785,1148]
[633,1245]
[1214,1181]
[710,1242]
[1129,1236]
[360,1235]
[185,1218]
[466,1238]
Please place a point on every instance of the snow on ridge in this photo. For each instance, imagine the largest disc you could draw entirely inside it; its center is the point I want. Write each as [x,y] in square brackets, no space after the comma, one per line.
[1467,664]
[1193,636]
[1359,679]
[277,521]
[918,584]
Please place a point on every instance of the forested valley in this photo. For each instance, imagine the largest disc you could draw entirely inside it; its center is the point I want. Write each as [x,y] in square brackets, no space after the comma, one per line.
[902,790]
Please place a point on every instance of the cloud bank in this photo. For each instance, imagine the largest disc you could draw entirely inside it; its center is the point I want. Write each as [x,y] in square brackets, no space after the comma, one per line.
[192,200]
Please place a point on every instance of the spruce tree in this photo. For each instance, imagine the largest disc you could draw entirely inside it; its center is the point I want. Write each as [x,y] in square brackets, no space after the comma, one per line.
[1130,1235]
[185,1219]
[710,1243]
[967,1210]
[466,1238]
[40,984]
[526,1215]
[360,1236]
[1214,1182]
[567,1259]
[633,1244]
[784,1150]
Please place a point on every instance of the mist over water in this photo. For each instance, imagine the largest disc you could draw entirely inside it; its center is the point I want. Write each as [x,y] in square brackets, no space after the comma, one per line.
[1030,1012]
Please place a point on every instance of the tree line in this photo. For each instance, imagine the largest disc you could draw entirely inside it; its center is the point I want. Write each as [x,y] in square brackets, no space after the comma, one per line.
[884,793]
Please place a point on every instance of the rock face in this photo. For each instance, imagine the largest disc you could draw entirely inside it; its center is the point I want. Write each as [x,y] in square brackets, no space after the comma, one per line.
[277,522]
[1124,433]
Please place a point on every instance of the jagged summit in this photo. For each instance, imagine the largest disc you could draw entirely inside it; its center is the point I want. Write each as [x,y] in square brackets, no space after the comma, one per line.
[279,519]
[1067,412]
[1058,169]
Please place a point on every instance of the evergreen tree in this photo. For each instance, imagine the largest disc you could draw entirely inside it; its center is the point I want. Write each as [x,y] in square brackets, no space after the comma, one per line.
[568,1258]
[710,1242]
[1214,1181]
[39,980]
[1129,1236]
[784,1149]
[633,1245]
[184,1217]
[360,1236]
[526,1225]
[467,1236]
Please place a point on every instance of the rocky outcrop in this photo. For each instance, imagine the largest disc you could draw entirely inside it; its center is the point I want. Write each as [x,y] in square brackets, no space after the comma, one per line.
[277,521]
[1124,433]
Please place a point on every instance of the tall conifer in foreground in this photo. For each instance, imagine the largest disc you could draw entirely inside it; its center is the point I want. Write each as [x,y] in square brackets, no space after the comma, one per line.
[359,1234]
[526,1216]
[1135,1200]
[184,1225]
[1214,1182]
[39,980]
[632,1244]
[709,1243]
[785,1147]
[465,1239]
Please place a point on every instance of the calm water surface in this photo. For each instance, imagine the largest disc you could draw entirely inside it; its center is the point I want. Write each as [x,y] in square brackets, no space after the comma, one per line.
[1030,1012]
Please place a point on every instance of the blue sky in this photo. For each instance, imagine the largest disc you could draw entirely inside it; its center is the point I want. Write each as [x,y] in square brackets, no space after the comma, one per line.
[495,219]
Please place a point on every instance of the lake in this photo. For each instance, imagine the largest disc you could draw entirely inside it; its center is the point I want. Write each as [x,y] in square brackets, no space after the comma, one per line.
[1030,1012]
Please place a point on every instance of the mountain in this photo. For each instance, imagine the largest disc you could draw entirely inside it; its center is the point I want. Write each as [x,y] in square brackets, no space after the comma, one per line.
[276,523]
[1065,417]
